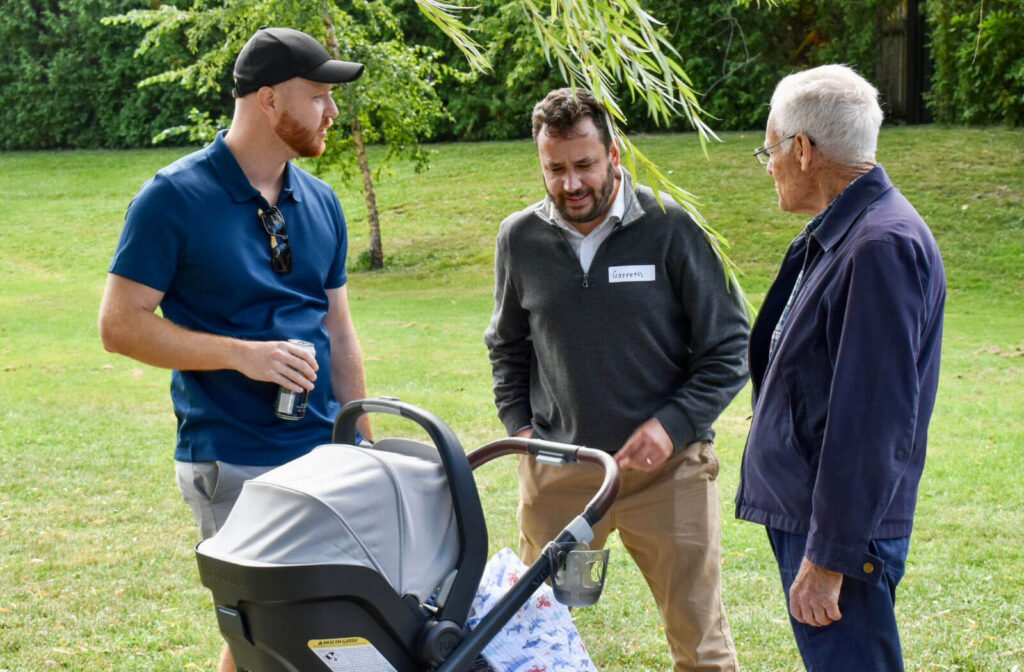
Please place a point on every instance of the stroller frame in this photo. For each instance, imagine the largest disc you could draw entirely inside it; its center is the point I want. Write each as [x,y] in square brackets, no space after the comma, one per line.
[268,614]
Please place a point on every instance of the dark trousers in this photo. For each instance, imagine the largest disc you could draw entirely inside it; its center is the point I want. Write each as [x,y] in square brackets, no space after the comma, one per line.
[866,638]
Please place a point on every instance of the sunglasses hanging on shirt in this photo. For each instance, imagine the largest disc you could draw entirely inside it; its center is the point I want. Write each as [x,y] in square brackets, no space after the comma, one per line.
[280,250]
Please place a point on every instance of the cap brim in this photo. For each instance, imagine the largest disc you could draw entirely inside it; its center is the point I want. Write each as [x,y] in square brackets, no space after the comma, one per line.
[335,72]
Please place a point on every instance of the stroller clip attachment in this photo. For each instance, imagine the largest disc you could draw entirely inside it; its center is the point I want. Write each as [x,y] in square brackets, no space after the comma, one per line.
[577,573]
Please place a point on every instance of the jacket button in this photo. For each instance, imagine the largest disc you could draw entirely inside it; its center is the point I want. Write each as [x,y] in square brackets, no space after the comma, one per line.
[868,568]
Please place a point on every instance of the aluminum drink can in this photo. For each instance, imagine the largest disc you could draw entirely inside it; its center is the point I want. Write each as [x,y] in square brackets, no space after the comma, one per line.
[292,405]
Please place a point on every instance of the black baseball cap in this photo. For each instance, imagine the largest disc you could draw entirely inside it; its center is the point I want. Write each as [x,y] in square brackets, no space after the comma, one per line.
[275,55]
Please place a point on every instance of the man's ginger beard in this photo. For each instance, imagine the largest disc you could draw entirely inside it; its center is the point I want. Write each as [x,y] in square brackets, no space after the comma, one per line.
[305,141]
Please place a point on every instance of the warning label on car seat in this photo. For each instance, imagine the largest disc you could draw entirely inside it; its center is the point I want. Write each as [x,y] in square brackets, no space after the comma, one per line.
[351,654]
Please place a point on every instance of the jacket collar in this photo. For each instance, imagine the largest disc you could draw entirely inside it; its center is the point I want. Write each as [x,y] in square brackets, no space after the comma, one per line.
[633,210]
[233,178]
[848,207]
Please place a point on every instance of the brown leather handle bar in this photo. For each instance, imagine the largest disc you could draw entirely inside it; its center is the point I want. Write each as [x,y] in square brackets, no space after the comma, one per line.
[558,454]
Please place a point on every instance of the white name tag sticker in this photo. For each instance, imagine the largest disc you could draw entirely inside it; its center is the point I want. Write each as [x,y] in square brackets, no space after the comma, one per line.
[641,273]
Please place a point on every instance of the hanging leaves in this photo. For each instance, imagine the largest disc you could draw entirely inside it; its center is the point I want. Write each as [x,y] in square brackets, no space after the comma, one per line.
[603,46]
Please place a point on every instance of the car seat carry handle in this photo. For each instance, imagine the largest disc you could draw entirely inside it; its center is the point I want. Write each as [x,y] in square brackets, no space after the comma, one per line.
[469,515]
[559,454]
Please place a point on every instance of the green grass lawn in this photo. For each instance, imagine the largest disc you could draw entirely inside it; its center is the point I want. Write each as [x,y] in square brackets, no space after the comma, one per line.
[96,562]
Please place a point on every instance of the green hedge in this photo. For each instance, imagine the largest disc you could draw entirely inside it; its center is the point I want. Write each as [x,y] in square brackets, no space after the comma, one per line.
[979,61]
[734,52]
[66,81]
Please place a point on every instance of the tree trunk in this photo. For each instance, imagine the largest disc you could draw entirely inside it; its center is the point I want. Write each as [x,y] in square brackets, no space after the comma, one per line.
[376,248]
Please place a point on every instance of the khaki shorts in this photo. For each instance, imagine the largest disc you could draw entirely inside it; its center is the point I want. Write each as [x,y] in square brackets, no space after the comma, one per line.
[211,489]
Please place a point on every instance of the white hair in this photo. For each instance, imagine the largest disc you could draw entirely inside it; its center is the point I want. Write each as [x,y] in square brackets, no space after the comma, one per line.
[835,107]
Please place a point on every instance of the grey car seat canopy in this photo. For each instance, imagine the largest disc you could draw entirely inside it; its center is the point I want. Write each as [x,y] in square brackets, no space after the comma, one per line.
[388,509]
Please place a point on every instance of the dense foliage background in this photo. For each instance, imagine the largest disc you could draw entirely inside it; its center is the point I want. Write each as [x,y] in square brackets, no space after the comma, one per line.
[67,81]
[979,61]
[733,51]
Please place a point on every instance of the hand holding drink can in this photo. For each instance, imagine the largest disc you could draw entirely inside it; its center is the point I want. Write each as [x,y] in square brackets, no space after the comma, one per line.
[292,405]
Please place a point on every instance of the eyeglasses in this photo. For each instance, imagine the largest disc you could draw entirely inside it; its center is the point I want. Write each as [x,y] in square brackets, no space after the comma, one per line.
[763,154]
[280,251]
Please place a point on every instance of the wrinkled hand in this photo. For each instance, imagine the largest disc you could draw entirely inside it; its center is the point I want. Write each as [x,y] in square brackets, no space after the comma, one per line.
[278,362]
[814,595]
[647,448]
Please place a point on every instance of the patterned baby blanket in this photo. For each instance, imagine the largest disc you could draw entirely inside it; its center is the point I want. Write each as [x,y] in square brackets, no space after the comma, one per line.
[541,637]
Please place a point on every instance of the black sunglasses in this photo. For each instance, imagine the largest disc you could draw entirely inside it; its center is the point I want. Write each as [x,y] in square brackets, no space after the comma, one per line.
[280,251]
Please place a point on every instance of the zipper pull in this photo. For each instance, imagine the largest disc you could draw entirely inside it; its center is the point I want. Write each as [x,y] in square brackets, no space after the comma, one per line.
[586,280]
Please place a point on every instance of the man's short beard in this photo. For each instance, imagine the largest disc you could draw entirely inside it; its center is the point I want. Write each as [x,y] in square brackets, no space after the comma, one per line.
[306,143]
[602,200]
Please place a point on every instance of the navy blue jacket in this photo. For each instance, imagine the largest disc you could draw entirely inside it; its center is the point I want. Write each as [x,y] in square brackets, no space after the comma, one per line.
[841,409]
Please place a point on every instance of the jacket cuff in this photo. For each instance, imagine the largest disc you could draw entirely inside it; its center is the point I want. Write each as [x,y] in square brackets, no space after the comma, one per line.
[516,418]
[850,561]
[678,426]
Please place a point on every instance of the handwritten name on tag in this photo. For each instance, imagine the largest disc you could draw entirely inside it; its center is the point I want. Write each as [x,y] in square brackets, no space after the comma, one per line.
[642,273]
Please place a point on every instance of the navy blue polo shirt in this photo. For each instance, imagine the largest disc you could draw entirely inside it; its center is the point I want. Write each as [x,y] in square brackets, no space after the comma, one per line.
[193,233]
[841,408]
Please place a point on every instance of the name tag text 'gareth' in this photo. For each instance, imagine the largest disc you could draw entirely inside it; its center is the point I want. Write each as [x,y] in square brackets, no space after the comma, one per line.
[643,273]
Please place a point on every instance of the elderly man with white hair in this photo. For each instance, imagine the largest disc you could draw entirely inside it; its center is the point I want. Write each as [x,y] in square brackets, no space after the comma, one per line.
[844,359]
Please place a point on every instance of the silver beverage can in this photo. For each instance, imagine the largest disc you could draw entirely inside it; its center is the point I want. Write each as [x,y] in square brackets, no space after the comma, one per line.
[292,405]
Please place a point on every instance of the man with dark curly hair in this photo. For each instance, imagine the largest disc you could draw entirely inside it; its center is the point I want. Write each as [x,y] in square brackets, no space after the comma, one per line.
[614,327]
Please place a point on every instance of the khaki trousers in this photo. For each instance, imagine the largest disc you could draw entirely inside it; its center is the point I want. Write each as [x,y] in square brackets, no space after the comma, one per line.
[669,522]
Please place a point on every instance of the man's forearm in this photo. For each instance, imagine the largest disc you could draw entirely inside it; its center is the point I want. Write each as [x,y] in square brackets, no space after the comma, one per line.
[348,381]
[715,380]
[348,378]
[513,407]
[131,328]
[154,340]
[510,370]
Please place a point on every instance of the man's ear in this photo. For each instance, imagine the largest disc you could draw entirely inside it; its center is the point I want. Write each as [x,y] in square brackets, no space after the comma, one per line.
[804,150]
[268,102]
[614,154]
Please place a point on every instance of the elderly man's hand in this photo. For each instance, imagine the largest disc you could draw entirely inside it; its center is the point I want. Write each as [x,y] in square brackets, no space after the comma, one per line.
[814,595]
[647,448]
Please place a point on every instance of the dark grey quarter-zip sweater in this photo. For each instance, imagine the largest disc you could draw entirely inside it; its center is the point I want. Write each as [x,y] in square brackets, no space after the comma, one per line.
[652,330]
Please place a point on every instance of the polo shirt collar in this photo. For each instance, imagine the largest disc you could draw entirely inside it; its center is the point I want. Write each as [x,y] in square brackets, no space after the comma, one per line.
[848,206]
[233,178]
[290,189]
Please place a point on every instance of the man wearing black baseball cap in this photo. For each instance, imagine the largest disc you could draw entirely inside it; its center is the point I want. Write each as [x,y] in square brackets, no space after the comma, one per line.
[275,55]
[242,251]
